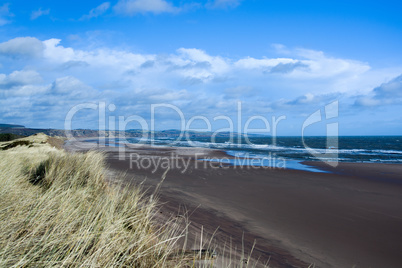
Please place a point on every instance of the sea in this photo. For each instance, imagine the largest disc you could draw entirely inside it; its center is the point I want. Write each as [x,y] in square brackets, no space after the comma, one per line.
[289,152]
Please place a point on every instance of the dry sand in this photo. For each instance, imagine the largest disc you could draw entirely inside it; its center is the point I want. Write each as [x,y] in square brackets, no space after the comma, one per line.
[351,217]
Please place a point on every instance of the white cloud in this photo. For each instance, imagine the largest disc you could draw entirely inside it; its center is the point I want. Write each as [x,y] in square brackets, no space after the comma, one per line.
[306,98]
[97,11]
[191,66]
[302,67]
[307,70]
[198,82]
[132,7]
[223,3]
[70,86]
[22,46]
[390,90]
[386,94]
[54,52]
[25,91]
[195,63]
[252,63]
[322,65]
[100,58]
[37,13]
[5,14]
[18,78]
[23,83]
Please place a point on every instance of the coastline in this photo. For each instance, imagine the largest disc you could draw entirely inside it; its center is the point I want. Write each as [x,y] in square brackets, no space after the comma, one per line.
[297,217]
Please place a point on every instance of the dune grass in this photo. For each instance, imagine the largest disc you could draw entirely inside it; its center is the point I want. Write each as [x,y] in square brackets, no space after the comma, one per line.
[56,209]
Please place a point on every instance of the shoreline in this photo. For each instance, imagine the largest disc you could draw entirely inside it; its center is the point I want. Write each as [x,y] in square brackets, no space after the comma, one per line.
[226,157]
[337,219]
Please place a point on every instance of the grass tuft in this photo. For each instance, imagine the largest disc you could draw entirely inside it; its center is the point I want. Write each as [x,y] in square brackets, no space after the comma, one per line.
[56,209]
[15,144]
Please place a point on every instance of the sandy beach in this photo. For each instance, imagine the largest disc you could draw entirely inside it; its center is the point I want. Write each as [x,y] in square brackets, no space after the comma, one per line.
[349,217]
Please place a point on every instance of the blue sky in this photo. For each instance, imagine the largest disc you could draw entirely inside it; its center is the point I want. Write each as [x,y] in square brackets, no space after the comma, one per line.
[278,58]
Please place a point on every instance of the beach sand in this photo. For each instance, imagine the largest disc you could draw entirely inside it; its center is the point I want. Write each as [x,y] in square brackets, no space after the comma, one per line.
[351,217]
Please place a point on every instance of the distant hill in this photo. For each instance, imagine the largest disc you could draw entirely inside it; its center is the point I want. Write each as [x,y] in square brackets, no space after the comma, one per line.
[50,132]
[10,126]
[88,133]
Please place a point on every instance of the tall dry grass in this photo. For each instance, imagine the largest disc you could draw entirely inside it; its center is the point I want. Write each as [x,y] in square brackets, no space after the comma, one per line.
[57,210]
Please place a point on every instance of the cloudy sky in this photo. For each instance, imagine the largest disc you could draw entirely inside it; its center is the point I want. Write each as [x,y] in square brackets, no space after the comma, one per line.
[206,58]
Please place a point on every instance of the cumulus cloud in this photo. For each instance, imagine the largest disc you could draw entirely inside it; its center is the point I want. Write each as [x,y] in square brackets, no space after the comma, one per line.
[22,46]
[192,66]
[40,12]
[55,52]
[392,89]
[19,78]
[385,94]
[24,83]
[27,97]
[5,14]
[197,64]
[100,58]
[132,7]
[198,82]
[97,11]
[188,67]
[302,66]
[70,86]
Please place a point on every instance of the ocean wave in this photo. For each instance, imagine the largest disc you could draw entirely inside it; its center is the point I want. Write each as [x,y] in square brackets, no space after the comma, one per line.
[251,150]
[387,151]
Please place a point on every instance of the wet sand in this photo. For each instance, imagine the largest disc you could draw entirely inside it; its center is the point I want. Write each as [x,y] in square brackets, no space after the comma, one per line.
[351,217]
